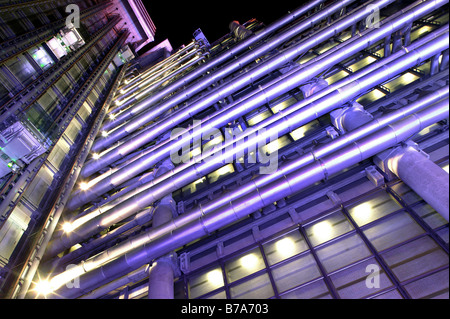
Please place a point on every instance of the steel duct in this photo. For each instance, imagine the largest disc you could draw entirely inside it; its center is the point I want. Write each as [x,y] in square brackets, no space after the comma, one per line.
[291,183]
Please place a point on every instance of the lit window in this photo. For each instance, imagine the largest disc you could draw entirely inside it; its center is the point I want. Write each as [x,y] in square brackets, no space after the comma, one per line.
[287,246]
[326,229]
[205,282]
[245,265]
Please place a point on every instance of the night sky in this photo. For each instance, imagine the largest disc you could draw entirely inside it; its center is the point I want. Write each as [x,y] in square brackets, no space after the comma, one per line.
[177,20]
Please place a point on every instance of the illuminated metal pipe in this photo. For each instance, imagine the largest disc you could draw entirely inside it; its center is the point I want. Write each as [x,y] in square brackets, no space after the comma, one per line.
[153,77]
[144,90]
[233,211]
[262,180]
[261,98]
[301,113]
[229,112]
[80,156]
[133,277]
[216,95]
[159,65]
[227,55]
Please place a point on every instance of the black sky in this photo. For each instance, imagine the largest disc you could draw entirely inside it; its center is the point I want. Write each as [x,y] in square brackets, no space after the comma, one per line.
[177,20]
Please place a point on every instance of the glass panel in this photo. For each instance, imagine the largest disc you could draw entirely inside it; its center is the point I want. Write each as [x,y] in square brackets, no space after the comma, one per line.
[406,193]
[315,290]
[295,273]
[336,77]
[343,252]
[370,97]
[401,81]
[443,233]
[276,145]
[42,58]
[221,172]
[219,295]
[22,69]
[415,258]
[328,228]
[431,287]
[393,294]
[429,215]
[206,282]
[256,288]
[361,280]
[284,247]
[281,106]
[259,117]
[392,231]
[376,206]
[304,130]
[362,63]
[244,265]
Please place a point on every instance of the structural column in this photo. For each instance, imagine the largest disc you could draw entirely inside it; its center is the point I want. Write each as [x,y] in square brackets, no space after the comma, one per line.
[162,271]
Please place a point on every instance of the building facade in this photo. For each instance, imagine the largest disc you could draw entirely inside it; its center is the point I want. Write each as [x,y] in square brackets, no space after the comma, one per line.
[305,158]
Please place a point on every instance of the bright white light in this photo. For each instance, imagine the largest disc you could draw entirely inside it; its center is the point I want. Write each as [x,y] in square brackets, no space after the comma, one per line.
[122,91]
[285,246]
[67,227]
[112,116]
[104,133]
[323,231]
[43,288]
[96,156]
[84,186]
[249,261]
[215,277]
[362,213]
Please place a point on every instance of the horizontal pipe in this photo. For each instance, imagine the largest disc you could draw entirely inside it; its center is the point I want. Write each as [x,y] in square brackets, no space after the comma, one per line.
[158,128]
[206,81]
[282,124]
[142,86]
[257,99]
[262,180]
[292,183]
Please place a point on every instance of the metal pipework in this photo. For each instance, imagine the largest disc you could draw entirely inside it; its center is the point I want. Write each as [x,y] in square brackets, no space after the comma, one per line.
[185,113]
[158,75]
[236,111]
[262,180]
[233,211]
[162,64]
[281,124]
[227,55]
[55,213]
[139,92]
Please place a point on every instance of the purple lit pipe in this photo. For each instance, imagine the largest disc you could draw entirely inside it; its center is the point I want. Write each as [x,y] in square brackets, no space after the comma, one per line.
[177,178]
[288,83]
[233,211]
[156,67]
[145,86]
[212,78]
[163,126]
[262,180]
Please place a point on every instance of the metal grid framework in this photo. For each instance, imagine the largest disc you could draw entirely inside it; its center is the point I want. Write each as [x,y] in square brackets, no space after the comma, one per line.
[318,243]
